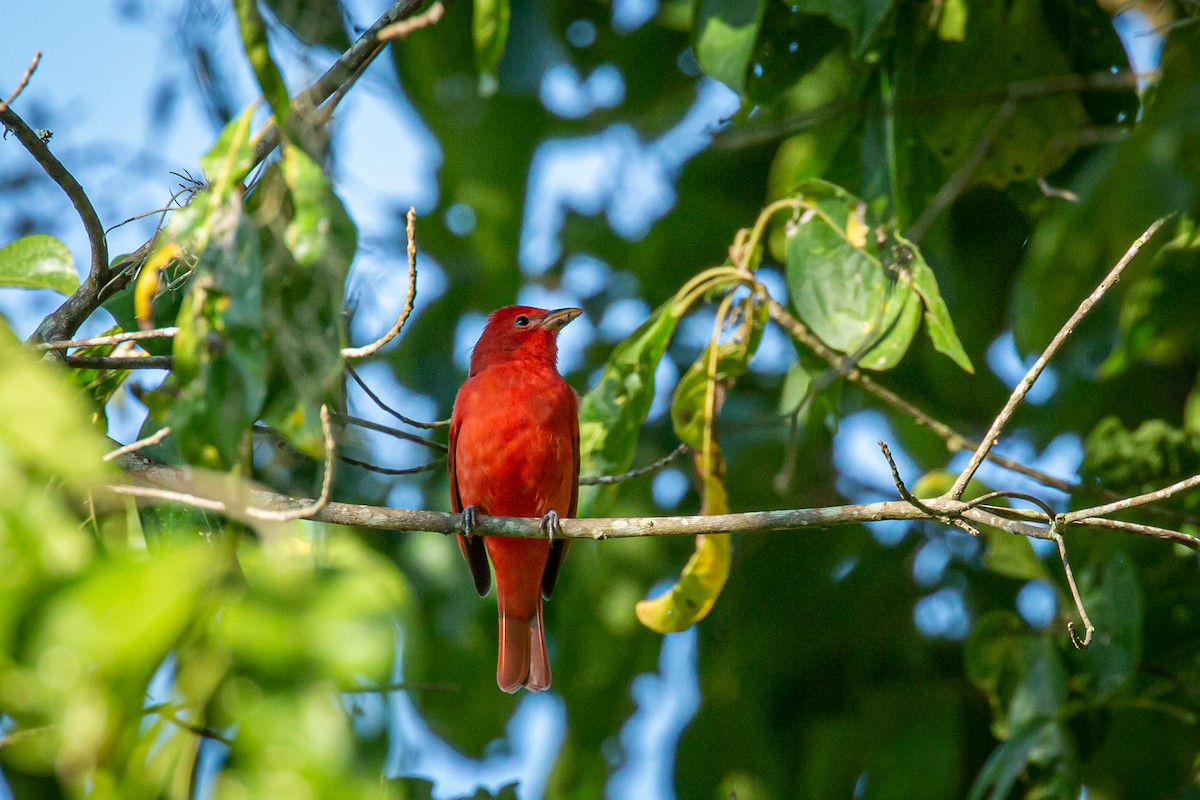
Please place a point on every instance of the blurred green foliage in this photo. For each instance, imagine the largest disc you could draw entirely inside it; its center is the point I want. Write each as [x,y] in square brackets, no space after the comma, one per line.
[816,680]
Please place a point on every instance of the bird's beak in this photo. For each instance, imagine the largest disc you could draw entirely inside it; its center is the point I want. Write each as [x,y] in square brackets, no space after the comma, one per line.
[557,319]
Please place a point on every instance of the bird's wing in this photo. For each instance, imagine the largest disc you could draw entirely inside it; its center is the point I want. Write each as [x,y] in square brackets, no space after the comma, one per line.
[558,548]
[472,547]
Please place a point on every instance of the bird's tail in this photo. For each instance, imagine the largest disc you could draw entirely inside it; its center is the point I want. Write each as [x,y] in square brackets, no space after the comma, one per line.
[523,660]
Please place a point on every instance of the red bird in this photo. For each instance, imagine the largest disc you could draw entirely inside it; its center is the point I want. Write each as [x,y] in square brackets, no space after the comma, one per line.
[514,452]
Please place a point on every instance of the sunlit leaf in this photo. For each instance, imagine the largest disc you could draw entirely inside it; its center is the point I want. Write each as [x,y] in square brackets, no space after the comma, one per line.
[490,32]
[724,36]
[693,595]
[846,286]
[937,317]
[220,363]
[38,261]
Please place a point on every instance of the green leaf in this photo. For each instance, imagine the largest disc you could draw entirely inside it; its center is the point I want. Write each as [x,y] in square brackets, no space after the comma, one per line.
[937,317]
[266,72]
[1113,598]
[313,21]
[612,413]
[220,361]
[844,282]
[724,36]
[99,385]
[227,163]
[489,28]
[38,261]
[1020,671]
[1039,743]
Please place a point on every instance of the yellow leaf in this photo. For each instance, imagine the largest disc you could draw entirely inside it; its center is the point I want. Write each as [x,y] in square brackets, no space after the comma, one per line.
[700,583]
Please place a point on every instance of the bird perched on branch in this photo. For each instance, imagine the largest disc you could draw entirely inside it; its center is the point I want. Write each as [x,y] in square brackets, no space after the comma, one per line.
[514,452]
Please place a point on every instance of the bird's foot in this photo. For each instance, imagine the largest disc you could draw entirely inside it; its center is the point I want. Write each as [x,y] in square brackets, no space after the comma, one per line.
[551,526]
[469,520]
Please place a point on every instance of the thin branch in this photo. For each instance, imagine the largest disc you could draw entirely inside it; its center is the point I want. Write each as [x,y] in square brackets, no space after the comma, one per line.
[119,362]
[441,423]
[398,434]
[113,338]
[1088,628]
[1132,502]
[21,84]
[343,71]
[71,314]
[373,347]
[432,465]
[1018,394]
[955,441]
[307,511]
[606,480]
[1022,90]
[911,499]
[400,30]
[133,447]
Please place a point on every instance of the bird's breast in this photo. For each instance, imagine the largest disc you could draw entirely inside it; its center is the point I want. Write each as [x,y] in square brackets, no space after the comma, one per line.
[515,448]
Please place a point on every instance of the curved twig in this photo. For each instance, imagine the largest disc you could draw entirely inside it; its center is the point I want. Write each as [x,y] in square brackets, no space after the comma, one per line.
[373,347]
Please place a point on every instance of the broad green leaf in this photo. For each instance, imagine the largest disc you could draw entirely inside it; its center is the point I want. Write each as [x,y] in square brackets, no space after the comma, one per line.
[724,36]
[126,614]
[38,261]
[1039,743]
[1113,598]
[489,27]
[226,164]
[611,414]
[320,233]
[1012,556]
[220,361]
[1153,455]
[844,284]
[1020,671]
[937,317]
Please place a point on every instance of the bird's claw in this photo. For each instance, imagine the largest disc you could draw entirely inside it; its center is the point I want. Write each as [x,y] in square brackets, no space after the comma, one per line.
[469,520]
[551,526]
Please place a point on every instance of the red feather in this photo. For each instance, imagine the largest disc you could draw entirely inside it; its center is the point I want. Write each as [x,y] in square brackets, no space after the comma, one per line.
[514,451]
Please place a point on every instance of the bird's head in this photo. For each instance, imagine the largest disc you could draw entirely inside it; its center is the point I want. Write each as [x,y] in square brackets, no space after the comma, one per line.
[518,333]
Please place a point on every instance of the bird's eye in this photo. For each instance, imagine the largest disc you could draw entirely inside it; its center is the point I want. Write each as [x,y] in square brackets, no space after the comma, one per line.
[521,321]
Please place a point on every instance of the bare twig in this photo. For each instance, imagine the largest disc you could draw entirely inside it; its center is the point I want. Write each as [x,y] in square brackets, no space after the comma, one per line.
[112,338]
[605,480]
[1088,628]
[133,447]
[399,30]
[1132,502]
[441,423]
[908,496]
[119,362]
[373,347]
[393,432]
[21,84]
[309,510]
[1018,394]
[1022,90]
